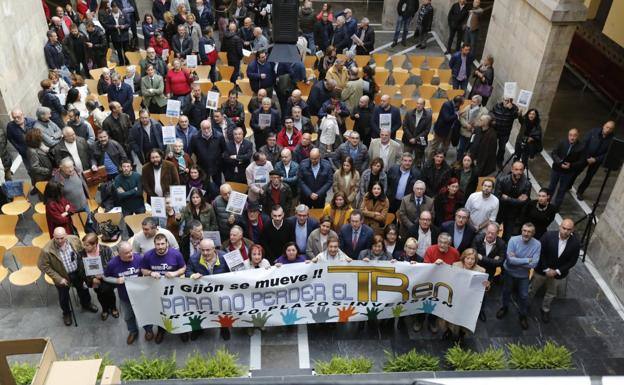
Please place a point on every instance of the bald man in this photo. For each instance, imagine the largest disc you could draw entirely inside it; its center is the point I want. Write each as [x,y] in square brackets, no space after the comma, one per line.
[315,180]
[568,159]
[559,253]
[74,147]
[59,260]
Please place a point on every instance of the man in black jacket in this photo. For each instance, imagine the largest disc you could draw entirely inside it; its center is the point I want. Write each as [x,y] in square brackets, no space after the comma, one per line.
[568,160]
[208,146]
[76,48]
[194,106]
[597,143]
[232,45]
[513,192]
[406,10]
[491,248]
[362,115]
[424,18]
[416,127]
[461,232]
[457,16]
[504,114]
[276,234]
[559,253]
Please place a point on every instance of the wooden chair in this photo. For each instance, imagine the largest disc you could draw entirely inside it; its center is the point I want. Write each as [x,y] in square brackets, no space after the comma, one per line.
[399,135]
[136,104]
[239,187]
[223,58]
[381,75]
[245,99]
[26,258]
[349,123]
[435,61]
[409,103]
[445,79]
[416,61]
[426,76]
[115,218]
[316,213]
[450,94]
[205,86]
[397,61]
[309,61]
[427,91]
[225,72]
[44,237]
[202,71]
[41,186]
[4,272]
[408,90]
[92,85]
[133,57]
[380,59]
[103,99]
[78,220]
[20,203]
[224,86]
[436,106]
[95,74]
[134,221]
[400,76]
[390,218]
[122,71]
[305,88]
[362,60]
[389,90]
[245,87]
[40,208]
[7,230]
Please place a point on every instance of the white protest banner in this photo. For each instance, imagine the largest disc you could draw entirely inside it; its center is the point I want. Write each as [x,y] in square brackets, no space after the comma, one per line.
[158,207]
[264,120]
[178,197]
[173,108]
[191,61]
[302,293]
[215,236]
[236,203]
[510,90]
[169,135]
[385,122]
[524,98]
[212,100]
[234,260]
[93,266]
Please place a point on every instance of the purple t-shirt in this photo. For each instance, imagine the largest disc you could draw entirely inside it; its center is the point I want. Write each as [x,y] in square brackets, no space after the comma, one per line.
[118,268]
[171,261]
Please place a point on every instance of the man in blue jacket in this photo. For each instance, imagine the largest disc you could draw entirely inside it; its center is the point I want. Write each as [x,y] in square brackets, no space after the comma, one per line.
[597,143]
[461,64]
[443,127]
[121,92]
[315,180]
[16,131]
[261,74]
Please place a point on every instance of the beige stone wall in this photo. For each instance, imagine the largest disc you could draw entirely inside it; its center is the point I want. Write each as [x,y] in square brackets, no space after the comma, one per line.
[605,247]
[22,64]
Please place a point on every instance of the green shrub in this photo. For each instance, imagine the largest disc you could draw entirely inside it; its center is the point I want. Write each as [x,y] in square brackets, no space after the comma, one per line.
[145,368]
[411,361]
[221,364]
[550,356]
[23,373]
[466,359]
[344,365]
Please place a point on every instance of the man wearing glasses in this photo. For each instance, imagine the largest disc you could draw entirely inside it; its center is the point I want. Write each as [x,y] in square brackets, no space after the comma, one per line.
[59,260]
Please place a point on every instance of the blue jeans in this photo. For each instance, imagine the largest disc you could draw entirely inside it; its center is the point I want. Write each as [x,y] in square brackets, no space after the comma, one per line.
[311,45]
[460,84]
[522,292]
[470,37]
[564,180]
[462,146]
[402,22]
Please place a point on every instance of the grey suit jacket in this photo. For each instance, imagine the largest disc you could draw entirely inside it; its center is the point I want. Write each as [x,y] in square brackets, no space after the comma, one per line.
[314,246]
[408,214]
[394,154]
[153,92]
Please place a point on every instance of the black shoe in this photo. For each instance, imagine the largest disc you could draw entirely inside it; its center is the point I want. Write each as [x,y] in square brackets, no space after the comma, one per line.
[149,335]
[545,316]
[160,335]
[501,312]
[417,325]
[67,319]
[404,43]
[91,308]
[579,196]
[524,322]
[482,316]
[131,338]
[184,337]
[394,44]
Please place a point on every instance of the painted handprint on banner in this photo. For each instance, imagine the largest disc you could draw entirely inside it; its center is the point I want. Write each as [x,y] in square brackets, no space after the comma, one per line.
[259,320]
[321,315]
[226,321]
[428,307]
[372,313]
[344,313]
[168,325]
[195,322]
[397,310]
[290,317]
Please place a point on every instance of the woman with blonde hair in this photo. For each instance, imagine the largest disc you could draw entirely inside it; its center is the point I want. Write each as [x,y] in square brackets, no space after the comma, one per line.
[338,210]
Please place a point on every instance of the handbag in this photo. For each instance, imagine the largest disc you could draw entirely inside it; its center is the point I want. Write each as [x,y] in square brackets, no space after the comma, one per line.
[483,90]
[94,178]
[109,231]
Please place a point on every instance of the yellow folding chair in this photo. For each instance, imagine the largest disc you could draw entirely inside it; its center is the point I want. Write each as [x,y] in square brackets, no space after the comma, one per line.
[309,61]
[380,59]
[450,94]
[224,86]
[408,90]
[362,60]
[316,213]
[225,72]
[305,88]
[245,87]
[389,90]
[44,237]
[426,76]
[445,79]
[381,75]
[239,187]
[400,76]
[427,91]
[20,203]
[133,57]
[397,61]
[95,74]
[103,99]
[205,86]
[223,58]
[203,72]
[435,61]
[27,273]
[7,230]
[416,61]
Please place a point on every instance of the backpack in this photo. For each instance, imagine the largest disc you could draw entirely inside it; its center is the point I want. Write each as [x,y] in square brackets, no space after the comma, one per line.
[109,231]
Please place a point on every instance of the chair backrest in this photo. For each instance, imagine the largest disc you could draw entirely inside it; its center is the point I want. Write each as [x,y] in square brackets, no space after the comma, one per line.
[245,87]
[205,86]
[239,187]
[25,255]
[316,213]
[400,76]
[134,221]
[114,217]
[389,218]
[309,61]
[436,104]
[95,74]
[78,221]
[381,75]
[450,94]
[202,71]
[304,88]
[427,91]
[417,61]
[380,59]
[103,99]
[435,61]
[92,85]
[133,57]
[41,221]
[408,90]
[362,60]
[397,61]
[223,58]
[427,76]
[40,186]
[444,76]
[7,224]
[226,72]
[389,90]
[224,86]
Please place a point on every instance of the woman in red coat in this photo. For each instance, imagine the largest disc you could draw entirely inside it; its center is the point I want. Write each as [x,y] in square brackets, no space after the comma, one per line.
[178,81]
[58,209]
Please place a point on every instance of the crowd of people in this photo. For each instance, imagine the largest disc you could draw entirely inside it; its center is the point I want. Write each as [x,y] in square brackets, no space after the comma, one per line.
[383,198]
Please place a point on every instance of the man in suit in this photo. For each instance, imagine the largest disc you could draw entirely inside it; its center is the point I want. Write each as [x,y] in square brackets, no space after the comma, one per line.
[355,149]
[384,147]
[158,175]
[461,232]
[121,92]
[412,205]
[559,253]
[457,16]
[289,170]
[74,147]
[276,234]
[491,249]
[153,91]
[424,232]
[145,135]
[460,65]
[401,178]
[236,157]
[181,43]
[367,35]
[189,244]
[355,236]
[302,225]
[568,159]
[315,179]
[118,125]
[385,108]
[416,127]
[597,143]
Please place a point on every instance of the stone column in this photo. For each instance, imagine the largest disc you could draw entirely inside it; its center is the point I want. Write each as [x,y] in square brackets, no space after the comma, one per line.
[529,40]
[22,63]
[605,247]
[389,15]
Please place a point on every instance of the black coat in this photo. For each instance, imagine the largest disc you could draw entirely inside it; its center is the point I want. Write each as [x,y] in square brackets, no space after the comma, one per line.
[435,178]
[419,131]
[234,169]
[232,45]
[117,34]
[487,261]
[394,174]
[503,119]
[574,155]
[596,145]
[413,232]
[469,234]
[208,153]
[549,258]
[407,8]
[273,240]
[182,47]
[369,41]
[457,16]
[529,130]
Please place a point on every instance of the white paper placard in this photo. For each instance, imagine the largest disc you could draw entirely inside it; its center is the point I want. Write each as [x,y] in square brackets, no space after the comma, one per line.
[236,203]
[510,90]
[130,82]
[215,236]
[158,207]
[261,174]
[16,163]
[165,54]
[246,52]
[208,48]
[168,133]
[173,108]
[524,98]
[264,120]
[234,260]
[385,122]
[191,61]
[212,100]
[178,197]
[93,266]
